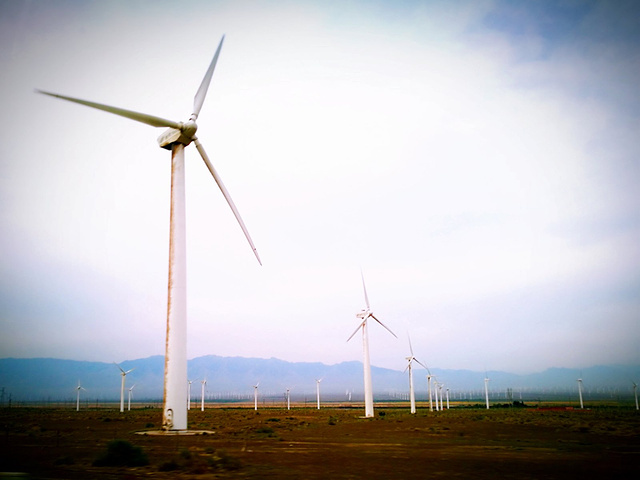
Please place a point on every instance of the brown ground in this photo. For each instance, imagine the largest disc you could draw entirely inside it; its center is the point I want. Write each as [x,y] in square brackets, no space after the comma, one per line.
[334,443]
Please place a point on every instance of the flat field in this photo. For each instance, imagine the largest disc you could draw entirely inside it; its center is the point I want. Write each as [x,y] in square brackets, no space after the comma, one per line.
[336,443]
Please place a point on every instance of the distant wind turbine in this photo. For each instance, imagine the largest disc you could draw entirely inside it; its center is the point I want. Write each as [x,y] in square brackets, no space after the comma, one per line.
[130,390]
[318,392]
[124,375]
[80,387]
[255,396]
[410,359]
[429,378]
[364,315]
[176,138]
[580,392]
[635,393]
[486,390]
[288,399]
[204,384]
[447,399]
[189,394]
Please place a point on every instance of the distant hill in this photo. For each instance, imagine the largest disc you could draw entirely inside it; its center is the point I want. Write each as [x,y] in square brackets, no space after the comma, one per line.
[44,379]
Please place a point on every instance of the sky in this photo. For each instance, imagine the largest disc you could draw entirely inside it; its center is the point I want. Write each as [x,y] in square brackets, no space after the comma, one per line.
[477,161]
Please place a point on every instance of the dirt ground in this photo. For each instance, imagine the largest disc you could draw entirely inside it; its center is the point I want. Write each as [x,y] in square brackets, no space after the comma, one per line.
[336,443]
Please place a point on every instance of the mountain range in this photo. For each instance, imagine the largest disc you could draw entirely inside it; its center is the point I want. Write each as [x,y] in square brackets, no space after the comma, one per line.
[49,379]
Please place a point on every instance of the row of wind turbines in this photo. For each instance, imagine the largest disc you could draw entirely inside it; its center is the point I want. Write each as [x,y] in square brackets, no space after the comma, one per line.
[178,136]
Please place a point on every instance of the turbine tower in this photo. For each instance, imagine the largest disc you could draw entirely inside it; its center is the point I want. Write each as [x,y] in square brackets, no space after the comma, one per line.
[129,403]
[364,315]
[80,387]
[176,138]
[410,360]
[288,399]
[429,377]
[124,375]
[486,390]
[189,394]
[255,396]
[635,393]
[204,384]
[318,392]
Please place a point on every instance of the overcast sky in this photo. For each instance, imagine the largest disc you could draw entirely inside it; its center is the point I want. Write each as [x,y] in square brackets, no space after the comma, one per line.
[479,161]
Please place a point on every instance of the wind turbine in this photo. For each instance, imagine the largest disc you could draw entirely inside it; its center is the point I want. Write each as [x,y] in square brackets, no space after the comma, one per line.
[288,399]
[429,377]
[123,374]
[189,394]
[635,393]
[486,389]
[447,398]
[255,396]
[580,392]
[129,404]
[176,138]
[318,392]
[80,387]
[364,316]
[204,383]
[410,360]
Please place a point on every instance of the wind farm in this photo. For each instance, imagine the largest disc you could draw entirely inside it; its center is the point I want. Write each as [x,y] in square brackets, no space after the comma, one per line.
[476,160]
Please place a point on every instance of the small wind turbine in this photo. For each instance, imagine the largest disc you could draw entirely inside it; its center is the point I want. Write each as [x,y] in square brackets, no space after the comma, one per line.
[318,392]
[486,389]
[176,138]
[429,377]
[189,394]
[123,374]
[447,399]
[364,316]
[80,387]
[288,399]
[255,396]
[129,403]
[410,360]
[204,384]
[635,393]
[580,392]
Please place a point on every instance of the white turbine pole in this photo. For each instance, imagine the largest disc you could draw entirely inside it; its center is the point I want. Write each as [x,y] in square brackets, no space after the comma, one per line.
[430,395]
[580,392]
[318,392]
[635,393]
[486,391]
[435,394]
[204,383]
[447,399]
[288,400]
[412,396]
[440,385]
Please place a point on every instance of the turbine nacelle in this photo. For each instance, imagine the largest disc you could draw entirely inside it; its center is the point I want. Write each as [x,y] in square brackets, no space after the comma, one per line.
[184,135]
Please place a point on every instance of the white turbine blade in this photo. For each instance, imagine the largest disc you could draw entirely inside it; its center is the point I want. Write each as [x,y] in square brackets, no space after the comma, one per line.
[198,100]
[218,180]
[129,371]
[356,330]
[137,116]
[384,325]
[364,287]
[119,367]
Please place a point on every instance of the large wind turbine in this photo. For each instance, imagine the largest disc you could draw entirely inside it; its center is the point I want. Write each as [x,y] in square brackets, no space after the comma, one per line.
[123,374]
[176,138]
[364,316]
[410,360]
[80,387]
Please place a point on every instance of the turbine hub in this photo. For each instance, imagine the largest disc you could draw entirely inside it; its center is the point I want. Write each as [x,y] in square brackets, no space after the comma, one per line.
[183,135]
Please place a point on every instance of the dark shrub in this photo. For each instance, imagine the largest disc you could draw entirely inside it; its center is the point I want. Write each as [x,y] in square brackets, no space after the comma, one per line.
[121,453]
